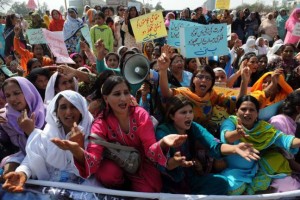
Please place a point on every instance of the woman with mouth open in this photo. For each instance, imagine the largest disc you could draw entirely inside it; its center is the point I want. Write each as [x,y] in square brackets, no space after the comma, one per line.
[128,125]
[181,174]
[251,177]
[201,91]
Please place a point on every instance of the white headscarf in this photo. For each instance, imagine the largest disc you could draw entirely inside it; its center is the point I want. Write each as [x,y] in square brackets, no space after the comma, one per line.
[250,46]
[53,155]
[272,56]
[71,25]
[50,89]
[262,50]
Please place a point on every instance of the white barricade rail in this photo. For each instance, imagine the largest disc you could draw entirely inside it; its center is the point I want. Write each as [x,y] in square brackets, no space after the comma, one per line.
[161,196]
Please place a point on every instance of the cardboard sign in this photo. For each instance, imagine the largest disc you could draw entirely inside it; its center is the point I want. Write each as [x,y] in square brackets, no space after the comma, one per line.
[223,4]
[55,41]
[173,34]
[36,36]
[135,4]
[204,41]
[148,27]
[85,31]
[296,30]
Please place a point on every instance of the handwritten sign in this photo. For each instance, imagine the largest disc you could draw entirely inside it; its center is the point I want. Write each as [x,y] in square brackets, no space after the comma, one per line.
[173,34]
[296,30]
[36,36]
[204,41]
[222,4]
[55,41]
[85,31]
[148,27]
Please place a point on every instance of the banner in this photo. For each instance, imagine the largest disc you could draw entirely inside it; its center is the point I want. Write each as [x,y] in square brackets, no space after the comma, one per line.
[36,36]
[222,4]
[149,27]
[173,34]
[135,4]
[2,40]
[55,41]
[85,31]
[204,41]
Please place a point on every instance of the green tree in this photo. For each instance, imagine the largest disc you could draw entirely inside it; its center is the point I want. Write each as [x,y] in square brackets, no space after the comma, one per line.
[20,8]
[256,7]
[158,6]
[43,8]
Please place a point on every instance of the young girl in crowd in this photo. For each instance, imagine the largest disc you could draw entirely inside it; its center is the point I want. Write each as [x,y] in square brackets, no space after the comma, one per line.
[128,125]
[20,95]
[180,175]
[103,32]
[45,160]
[59,82]
[39,77]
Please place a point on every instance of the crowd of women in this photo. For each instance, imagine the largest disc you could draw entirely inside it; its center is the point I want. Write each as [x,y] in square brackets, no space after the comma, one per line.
[194,121]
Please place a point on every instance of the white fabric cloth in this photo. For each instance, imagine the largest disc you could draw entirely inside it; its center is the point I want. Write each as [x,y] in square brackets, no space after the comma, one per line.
[272,56]
[71,26]
[250,46]
[262,50]
[44,157]
[50,89]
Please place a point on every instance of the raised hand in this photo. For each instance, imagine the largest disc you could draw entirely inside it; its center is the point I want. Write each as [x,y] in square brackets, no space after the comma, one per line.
[2,119]
[178,160]
[65,144]
[247,151]
[26,124]
[246,72]
[77,136]
[100,47]
[164,60]
[240,129]
[66,70]
[14,181]
[83,46]
[174,140]
[275,75]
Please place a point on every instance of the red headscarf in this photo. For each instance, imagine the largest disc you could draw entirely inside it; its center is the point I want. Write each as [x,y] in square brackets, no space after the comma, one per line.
[56,24]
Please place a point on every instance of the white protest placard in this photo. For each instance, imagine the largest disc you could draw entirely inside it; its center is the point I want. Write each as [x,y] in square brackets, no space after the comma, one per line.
[55,41]
[135,4]
[36,36]
[228,32]
[204,41]
[173,34]
[296,30]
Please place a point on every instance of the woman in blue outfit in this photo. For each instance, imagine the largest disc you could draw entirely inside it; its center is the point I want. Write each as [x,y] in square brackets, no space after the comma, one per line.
[183,173]
[250,177]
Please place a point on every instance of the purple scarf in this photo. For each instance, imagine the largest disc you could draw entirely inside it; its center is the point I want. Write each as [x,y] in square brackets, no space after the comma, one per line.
[34,102]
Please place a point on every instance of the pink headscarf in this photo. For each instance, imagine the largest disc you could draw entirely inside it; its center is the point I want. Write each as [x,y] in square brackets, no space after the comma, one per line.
[167,18]
[293,18]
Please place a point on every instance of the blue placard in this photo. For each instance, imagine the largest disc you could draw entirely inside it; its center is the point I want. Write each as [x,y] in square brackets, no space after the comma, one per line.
[204,41]
[2,40]
[173,33]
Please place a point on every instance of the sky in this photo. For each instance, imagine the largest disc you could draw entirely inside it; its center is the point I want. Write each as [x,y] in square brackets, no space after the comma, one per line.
[166,4]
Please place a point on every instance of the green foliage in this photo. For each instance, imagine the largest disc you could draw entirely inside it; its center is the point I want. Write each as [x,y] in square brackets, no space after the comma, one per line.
[20,8]
[257,7]
[159,6]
